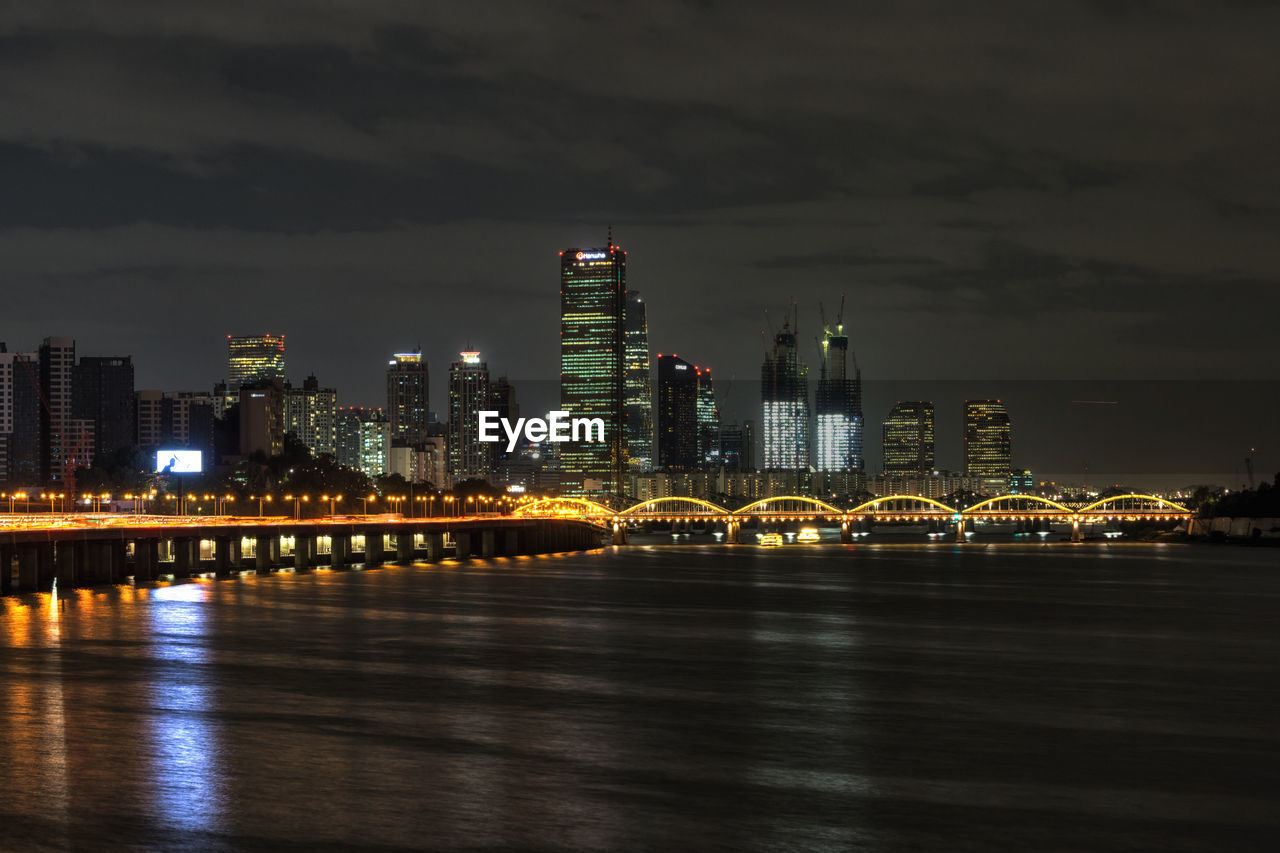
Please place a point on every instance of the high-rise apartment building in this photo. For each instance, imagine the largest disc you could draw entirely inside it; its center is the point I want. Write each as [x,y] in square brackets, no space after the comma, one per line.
[66,442]
[908,438]
[784,392]
[310,413]
[593,304]
[407,397]
[253,358]
[677,414]
[363,439]
[639,386]
[838,406]
[103,394]
[262,418]
[20,417]
[469,394]
[987,444]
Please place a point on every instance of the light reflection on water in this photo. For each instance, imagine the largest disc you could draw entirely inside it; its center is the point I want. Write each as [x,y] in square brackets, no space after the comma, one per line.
[657,698]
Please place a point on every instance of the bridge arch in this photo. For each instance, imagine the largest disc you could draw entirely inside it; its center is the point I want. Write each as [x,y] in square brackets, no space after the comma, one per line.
[979,506]
[563,506]
[871,505]
[747,510]
[703,507]
[1161,505]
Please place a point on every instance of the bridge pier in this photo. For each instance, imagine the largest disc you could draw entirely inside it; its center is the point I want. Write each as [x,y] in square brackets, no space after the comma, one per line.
[226,555]
[846,533]
[266,552]
[304,549]
[960,537]
[183,560]
[146,559]
[67,557]
[488,541]
[375,548]
[619,533]
[8,564]
[404,547]
[462,544]
[733,533]
[339,550]
[510,542]
[434,544]
[1077,535]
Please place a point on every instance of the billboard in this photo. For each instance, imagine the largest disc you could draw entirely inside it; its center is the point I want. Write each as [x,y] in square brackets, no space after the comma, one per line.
[178,462]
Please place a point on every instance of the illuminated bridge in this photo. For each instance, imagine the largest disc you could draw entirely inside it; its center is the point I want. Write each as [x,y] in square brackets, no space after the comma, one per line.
[36,550]
[891,509]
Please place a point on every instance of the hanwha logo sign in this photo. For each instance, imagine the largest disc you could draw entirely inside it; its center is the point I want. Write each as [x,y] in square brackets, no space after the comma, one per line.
[591,256]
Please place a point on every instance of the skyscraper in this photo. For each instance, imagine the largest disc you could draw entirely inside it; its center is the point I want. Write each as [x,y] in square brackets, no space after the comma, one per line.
[66,442]
[639,386]
[262,418]
[20,417]
[310,413]
[908,438]
[987,444]
[469,394]
[708,419]
[677,414]
[363,439]
[253,358]
[784,391]
[593,300]
[838,405]
[103,395]
[407,397]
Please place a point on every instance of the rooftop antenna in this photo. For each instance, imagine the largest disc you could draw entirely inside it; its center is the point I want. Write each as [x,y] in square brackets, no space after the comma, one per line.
[610,235]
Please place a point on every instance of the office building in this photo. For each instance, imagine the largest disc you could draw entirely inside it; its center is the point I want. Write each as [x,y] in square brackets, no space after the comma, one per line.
[363,439]
[407,397]
[908,438]
[102,393]
[593,300]
[262,418]
[987,444]
[677,414]
[253,358]
[469,394]
[837,406]
[784,391]
[639,386]
[708,419]
[310,413]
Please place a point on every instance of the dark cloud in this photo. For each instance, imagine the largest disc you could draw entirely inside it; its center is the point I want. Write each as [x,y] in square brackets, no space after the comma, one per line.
[1095,175]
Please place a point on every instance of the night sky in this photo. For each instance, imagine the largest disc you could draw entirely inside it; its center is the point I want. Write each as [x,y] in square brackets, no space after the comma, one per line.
[1066,191]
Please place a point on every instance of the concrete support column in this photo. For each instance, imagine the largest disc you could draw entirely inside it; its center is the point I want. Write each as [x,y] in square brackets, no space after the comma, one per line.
[8,562]
[266,551]
[434,543]
[404,547]
[339,550]
[960,531]
[304,549]
[846,533]
[488,541]
[1077,535]
[146,559]
[183,557]
[510,542]
[619,533]
[375,548]
[462,538]
[226,555]
[118,557]
[67,557]
[733,532]
[28,567]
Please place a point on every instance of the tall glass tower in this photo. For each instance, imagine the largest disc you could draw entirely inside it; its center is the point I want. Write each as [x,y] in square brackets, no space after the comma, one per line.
[593,307]
[639,386]
[708,420]
[838,406]
[988,444]
[253,358]
[469,394]
[784,392]
[908,438]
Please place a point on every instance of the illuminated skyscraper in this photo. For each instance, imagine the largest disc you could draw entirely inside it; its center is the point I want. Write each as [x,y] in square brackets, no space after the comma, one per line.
[310,413]
[838,406]
[253,358]
[469,394]
[364,439]
[639,386]
[708,419]
[593,305]
[677,414]
[908,438]
[784,391]
[987,444]
[407,397]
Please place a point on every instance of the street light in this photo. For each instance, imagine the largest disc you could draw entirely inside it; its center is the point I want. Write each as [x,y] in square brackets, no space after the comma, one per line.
[364,503]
